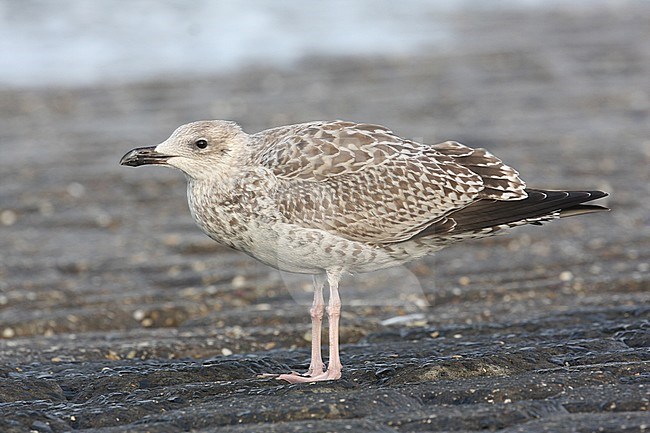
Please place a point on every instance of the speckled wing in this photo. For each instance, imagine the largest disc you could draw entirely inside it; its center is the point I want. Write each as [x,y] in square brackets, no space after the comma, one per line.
[364,183]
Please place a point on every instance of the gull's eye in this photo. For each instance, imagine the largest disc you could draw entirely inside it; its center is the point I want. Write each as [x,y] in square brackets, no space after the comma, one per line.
[201,144]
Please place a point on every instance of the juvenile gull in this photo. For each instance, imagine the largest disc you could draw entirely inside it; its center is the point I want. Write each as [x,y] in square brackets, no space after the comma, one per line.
[330,197]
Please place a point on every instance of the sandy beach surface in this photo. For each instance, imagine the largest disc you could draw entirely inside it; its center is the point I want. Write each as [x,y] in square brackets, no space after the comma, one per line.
[118,314]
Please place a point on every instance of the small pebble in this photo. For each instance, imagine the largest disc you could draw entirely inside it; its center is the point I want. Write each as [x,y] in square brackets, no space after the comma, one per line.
[76,190]
[113,356]
[238,282]
[8,217]
[139,315]
[566,276]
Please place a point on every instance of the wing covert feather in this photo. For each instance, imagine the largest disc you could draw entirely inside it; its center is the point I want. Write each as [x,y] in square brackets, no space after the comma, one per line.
[365,183]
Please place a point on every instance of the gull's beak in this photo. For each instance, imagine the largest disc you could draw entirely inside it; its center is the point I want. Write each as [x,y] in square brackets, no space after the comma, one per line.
[143,156]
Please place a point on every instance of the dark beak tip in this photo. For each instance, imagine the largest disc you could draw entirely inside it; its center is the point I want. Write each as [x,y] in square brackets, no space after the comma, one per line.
[128,159]
[143,156]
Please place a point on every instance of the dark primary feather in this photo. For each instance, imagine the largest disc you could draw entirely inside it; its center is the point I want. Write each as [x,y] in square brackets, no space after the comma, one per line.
[540,205]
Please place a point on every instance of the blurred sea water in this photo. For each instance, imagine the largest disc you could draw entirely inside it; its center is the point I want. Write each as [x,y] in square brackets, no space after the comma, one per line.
[80,42]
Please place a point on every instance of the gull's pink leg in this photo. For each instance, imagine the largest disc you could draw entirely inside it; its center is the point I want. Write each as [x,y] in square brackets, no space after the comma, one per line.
[316,312]
[333,314]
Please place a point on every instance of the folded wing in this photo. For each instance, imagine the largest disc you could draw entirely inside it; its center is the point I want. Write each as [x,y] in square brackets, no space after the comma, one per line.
[364,183]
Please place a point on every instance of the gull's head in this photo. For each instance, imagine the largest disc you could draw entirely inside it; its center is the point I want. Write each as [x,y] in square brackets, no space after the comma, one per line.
[198,149]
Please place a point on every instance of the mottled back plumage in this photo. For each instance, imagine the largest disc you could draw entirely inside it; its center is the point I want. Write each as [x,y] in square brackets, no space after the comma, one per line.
[366,184]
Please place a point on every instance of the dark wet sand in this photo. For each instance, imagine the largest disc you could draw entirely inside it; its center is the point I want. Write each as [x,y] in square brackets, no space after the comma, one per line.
[117,314]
